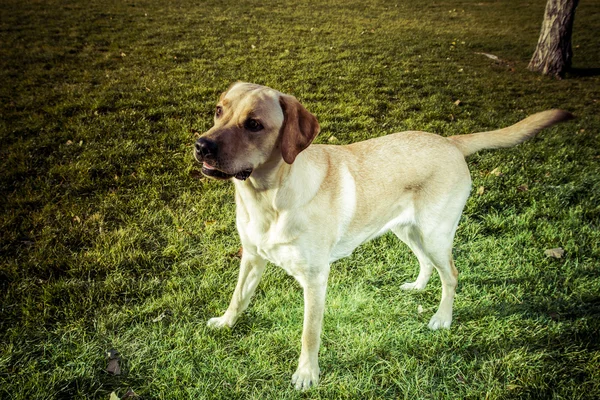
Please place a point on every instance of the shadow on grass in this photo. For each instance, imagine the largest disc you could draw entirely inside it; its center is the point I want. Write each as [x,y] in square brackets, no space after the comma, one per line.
[580,320]
[101,383]
[583,72]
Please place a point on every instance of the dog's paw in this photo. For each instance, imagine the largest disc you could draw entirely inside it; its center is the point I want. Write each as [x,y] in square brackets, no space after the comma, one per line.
[413,286]
[305,377]
[219,322]
[439,321]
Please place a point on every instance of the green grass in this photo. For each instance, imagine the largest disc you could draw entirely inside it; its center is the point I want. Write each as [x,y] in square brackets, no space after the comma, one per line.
[105,225]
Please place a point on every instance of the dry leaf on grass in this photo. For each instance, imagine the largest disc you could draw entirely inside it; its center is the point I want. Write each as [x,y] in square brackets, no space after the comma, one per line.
[165,314]
[113,362]
[480,190]
[236,254]
[196,174]
[113,367]
[496,172]
[130,395]
[490,56]
[555,253]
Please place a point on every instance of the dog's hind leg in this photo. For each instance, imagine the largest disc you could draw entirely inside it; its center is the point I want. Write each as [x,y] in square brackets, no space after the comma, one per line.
[434,250]
[410,235]
[432,242]
[449,277]
[251,270]
[437,245]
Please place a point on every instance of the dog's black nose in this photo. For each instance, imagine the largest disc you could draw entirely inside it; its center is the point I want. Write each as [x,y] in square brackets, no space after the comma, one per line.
[206,147]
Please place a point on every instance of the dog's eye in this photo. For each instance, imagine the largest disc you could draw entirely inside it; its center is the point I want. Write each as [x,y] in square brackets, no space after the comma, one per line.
[253,125]
[218,111]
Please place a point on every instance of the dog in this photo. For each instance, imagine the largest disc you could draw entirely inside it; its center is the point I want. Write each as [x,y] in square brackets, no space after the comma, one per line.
[303,207]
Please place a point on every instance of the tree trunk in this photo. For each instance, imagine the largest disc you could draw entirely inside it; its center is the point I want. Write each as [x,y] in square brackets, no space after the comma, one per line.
[553,53]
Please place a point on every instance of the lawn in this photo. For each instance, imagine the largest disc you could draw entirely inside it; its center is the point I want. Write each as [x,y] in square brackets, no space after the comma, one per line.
[111,239]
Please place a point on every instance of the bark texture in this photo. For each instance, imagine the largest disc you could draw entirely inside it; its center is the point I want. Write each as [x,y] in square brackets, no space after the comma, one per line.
[553,53]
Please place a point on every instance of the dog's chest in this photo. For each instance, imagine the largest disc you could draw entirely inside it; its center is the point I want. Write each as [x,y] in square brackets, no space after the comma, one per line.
[273,236]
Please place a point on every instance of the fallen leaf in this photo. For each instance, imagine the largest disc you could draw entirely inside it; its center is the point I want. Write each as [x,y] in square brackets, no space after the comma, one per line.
[165,314]
[123,54]
[420,309]
[240,252]
[210,222]
[490,56]
[457,103]
[77,219]
[196,174]
[235,254]
[130,395]
[332,139]
[555,253]
[480,190]
[523,187]
[461,378]
[69,142]
[113,396]
[496,171]
[113,367]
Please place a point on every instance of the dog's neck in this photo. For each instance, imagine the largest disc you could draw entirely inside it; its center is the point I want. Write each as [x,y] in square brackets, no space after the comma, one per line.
[266,177]
[287,186]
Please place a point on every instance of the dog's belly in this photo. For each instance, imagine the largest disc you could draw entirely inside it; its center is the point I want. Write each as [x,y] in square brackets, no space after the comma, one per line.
[351,240]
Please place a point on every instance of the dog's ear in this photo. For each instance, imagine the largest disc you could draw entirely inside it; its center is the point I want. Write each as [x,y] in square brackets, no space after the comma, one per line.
[299,128]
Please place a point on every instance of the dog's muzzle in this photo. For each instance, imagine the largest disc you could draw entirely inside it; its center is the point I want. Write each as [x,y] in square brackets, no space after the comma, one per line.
[206,152]
[206,148]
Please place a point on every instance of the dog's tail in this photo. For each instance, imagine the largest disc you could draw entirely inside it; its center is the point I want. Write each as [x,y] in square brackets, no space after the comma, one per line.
[510,136]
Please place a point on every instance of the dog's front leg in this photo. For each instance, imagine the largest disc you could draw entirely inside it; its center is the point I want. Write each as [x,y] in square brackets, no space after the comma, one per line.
[251,270]
[315,288]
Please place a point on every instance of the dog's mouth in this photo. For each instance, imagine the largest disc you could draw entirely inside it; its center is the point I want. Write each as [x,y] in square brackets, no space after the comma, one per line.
[213,172]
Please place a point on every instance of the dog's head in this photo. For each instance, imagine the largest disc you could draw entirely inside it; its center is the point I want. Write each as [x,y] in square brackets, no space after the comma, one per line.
[254,126]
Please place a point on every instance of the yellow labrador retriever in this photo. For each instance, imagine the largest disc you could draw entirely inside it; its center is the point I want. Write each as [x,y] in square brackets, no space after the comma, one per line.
[303,207]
